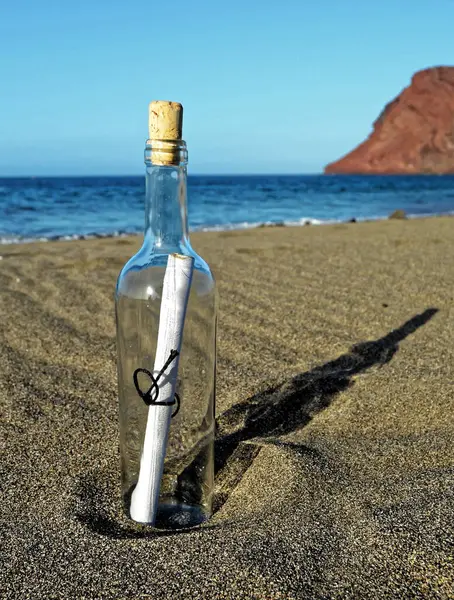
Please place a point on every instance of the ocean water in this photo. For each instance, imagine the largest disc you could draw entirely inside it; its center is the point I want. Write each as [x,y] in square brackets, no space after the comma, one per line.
[74,207]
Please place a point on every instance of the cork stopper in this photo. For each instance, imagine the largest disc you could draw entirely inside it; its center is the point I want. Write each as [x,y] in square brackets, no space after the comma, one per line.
[165,120]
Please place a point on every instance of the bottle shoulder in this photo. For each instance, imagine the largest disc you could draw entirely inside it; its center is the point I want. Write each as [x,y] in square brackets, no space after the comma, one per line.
[143,274]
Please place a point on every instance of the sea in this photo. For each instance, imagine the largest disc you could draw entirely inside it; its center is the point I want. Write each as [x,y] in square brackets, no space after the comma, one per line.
[49,208]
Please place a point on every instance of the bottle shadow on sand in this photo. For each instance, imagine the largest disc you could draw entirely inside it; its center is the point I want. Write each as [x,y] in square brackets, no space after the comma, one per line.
[290,406]
[274,412]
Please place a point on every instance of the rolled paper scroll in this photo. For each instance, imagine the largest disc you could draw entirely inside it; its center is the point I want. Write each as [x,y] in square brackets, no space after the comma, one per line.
[175,296]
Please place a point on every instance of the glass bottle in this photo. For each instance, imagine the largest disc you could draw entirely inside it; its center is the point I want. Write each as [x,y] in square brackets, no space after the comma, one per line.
[186,486]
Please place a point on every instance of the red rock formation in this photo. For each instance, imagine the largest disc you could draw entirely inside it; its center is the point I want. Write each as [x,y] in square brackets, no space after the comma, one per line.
[413,134]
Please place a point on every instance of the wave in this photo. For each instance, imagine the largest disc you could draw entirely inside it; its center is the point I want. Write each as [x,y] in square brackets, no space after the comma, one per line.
[304,221]
[12,239]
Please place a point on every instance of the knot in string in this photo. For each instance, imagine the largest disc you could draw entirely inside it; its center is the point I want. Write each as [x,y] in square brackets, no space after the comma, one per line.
[150,397]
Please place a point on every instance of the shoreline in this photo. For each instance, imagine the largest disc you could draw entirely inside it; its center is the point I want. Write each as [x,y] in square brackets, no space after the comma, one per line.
[214,229]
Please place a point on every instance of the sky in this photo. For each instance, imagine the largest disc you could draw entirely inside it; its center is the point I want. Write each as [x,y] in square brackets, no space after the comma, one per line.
[267,87]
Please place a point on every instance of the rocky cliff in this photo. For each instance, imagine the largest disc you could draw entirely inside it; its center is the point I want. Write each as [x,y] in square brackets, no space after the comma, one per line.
[413,134]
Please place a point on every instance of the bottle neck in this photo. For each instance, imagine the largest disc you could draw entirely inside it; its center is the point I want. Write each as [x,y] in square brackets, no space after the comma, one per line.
[166,221]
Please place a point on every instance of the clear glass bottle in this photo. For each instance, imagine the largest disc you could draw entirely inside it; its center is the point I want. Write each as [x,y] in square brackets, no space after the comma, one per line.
[186,487]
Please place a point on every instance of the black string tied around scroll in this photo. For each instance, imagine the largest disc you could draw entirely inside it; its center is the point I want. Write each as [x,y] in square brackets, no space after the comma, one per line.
[150,397]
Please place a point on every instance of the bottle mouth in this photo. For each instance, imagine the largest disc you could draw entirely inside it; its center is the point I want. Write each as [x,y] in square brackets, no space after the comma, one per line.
[168,153]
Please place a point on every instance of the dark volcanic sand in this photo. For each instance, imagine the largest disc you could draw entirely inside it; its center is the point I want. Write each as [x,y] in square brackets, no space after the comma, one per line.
[335,408]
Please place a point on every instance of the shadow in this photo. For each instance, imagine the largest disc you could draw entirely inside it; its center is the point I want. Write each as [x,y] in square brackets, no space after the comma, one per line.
[245,428]
[289,406]
[96,508]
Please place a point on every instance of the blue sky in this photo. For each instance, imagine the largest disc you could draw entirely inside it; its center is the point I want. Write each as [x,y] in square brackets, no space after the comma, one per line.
[281,87]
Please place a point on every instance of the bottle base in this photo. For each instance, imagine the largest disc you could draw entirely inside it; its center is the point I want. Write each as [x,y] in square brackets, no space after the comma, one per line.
[174,514]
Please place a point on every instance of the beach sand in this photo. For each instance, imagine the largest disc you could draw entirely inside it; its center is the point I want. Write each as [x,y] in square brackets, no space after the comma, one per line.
[335,413]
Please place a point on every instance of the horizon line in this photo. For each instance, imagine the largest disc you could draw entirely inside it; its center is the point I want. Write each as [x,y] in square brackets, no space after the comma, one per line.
[143,175]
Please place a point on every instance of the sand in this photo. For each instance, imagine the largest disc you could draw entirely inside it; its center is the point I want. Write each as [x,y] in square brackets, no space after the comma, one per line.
[335,413]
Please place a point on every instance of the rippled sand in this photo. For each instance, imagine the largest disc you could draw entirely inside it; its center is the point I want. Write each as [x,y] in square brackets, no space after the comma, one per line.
[335,421]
